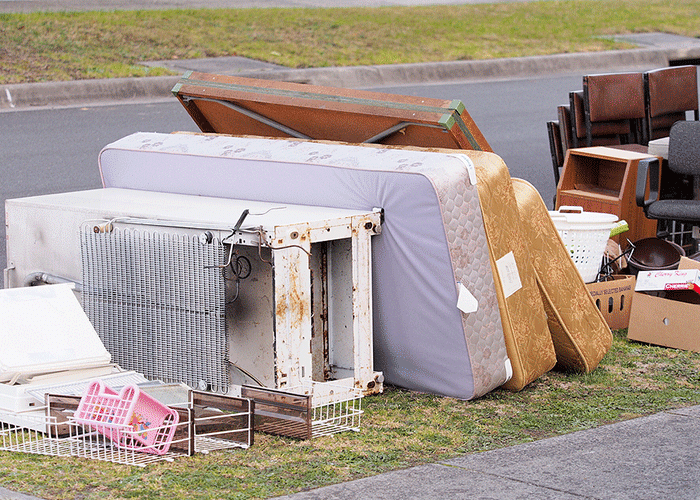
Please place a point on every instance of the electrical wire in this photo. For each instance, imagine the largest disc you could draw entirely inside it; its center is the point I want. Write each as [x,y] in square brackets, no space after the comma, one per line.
[606,269]
[263,241]
[267,211]
[230,255]
[247,374]
[241,270]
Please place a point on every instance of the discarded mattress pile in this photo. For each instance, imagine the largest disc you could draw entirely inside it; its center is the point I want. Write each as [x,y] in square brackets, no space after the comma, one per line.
[471,287]
[458,303]
[431,255]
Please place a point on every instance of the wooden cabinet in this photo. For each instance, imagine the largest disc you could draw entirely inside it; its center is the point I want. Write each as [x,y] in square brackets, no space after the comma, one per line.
[603,179]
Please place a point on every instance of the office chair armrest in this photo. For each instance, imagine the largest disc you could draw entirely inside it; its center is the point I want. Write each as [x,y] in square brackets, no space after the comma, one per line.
[647,170]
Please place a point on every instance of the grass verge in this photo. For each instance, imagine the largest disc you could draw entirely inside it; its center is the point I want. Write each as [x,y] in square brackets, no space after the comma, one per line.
[39,47]
[399,429]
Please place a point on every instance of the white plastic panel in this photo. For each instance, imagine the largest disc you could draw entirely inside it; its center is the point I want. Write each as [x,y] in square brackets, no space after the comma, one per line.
[44,329]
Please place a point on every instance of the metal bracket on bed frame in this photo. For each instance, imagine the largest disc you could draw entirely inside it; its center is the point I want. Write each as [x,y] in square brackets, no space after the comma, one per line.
[253,115]
[298,135]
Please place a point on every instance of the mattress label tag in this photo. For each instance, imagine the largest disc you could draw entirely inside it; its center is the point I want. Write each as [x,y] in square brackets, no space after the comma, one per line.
[508,271]
[509,370]
[470,167]
[466,302]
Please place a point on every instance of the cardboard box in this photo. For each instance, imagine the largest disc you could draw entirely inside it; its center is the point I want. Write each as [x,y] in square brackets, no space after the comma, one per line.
[614,299]
[667,318]
[687,263]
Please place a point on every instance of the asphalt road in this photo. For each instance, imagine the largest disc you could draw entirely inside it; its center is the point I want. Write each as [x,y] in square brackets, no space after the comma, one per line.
[55,150]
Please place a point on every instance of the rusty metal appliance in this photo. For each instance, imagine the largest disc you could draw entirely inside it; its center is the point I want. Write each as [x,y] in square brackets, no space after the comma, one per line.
[210,291]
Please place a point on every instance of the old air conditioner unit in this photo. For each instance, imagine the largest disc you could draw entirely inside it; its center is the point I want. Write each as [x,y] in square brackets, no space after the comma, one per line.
[211,292]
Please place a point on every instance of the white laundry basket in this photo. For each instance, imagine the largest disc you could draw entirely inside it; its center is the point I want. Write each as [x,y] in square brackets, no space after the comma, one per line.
[585,235]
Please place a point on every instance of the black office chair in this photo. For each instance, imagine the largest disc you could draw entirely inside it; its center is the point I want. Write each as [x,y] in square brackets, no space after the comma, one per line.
[683,158]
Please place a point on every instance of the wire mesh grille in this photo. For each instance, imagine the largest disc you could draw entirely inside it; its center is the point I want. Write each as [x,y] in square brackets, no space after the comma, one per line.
[678,232]
[77,388]
[157,301]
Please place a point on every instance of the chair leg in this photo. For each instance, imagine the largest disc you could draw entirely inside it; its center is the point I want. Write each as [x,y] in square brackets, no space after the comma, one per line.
[555,148]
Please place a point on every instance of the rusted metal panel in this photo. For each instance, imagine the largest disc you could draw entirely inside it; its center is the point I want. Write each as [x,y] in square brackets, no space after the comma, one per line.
[318,263]
[345,337]
[249,320]
[365,378]
[245,106]
[292,307]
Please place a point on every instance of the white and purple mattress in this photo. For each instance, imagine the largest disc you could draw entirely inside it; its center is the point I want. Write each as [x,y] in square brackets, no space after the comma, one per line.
[431,254]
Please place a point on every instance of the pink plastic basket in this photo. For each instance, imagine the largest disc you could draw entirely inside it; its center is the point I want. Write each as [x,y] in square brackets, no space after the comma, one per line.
[131,419]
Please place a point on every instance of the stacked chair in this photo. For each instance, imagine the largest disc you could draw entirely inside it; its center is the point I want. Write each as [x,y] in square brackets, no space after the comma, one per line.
[556,147]
[668,94]
[613,107]
[624,110]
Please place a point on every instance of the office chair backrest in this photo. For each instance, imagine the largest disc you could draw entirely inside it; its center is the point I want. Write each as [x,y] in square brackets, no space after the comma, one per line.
[684,148]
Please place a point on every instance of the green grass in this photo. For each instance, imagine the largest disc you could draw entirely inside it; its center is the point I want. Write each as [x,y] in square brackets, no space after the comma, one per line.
[399,429]
[66,46]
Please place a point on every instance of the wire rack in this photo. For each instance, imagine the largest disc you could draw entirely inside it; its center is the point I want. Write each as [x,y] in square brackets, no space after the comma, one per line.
[227,427]
[69,439]
[334,408]
[115,380]
[310,410]
[336,417]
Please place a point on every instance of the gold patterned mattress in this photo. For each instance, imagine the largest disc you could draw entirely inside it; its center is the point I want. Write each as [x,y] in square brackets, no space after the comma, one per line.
[579,332]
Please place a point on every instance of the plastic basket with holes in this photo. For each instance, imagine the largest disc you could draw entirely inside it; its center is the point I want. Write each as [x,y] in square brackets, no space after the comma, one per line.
[131,419]
[585,235]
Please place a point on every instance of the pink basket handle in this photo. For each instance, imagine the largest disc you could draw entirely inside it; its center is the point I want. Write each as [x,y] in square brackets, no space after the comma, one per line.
[100,402]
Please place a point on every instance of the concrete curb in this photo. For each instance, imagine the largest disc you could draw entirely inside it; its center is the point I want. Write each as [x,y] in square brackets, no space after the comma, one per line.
[57,94]
[523,67]
[77,92]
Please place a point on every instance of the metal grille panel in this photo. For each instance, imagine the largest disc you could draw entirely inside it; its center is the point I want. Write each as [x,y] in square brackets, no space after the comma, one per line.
[678,232]
[157,301]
